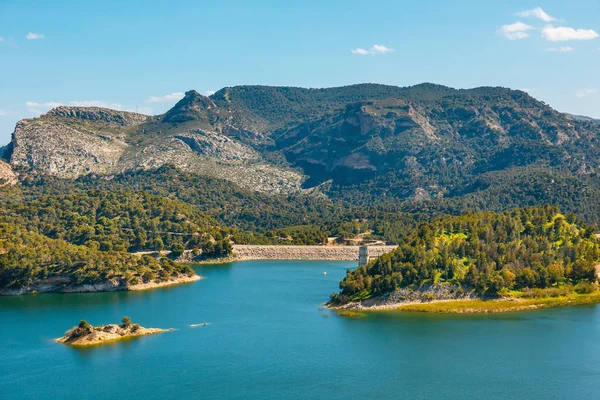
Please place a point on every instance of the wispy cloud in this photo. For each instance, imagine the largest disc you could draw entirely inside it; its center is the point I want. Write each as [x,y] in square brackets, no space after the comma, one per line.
[7,41]
[516,31]
[34,36]
[2,113]
[96,103]
[536,13]
[376,49]
[581,93]
[42,107]
[166,98]
[564,33]
[50,104]
[563,49]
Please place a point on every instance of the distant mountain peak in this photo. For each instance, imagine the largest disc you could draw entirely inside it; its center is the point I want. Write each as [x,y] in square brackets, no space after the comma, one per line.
[193,106]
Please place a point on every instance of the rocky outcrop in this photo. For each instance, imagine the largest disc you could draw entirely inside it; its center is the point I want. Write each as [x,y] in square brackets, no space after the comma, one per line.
[97,114]
[54,147]
[334,253]
[409,295]
[7,176]
[87,335]
[64,285]
[70,142]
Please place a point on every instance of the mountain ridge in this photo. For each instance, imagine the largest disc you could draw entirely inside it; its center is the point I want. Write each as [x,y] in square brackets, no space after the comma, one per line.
[414,142]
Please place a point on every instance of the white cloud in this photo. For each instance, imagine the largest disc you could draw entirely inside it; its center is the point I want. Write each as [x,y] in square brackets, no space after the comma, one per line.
[2,112]
[536,13]
[563,49]
[1,39]
[50,104]
[563,33]
[376,49]
[96,103]
[581,93]
[168,97]
[34,36]
[209,92]
[516,31]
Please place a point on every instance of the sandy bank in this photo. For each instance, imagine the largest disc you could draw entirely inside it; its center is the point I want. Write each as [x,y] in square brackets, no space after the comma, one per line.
[332,253]
[62,285]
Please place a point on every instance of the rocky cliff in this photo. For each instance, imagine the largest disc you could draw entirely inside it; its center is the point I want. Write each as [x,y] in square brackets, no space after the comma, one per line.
[69,142]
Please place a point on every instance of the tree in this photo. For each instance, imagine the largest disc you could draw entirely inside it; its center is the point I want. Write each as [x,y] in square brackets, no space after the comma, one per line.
[177,250]
[125,322]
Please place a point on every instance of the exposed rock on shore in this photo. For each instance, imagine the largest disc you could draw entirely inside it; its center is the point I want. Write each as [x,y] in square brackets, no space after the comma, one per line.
[62,285]
[406,296]
[87,335]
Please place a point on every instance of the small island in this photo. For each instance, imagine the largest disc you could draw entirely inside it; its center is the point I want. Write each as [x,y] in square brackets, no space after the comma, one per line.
[85,334]
[518,260]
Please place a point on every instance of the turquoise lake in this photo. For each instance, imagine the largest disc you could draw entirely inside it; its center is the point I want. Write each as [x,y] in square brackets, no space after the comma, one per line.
[268,337]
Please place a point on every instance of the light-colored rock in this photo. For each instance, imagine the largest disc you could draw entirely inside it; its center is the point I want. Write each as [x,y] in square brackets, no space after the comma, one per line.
[7,175]
[93,335]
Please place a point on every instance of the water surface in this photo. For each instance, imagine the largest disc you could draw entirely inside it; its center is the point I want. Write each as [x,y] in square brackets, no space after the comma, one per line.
[269,338]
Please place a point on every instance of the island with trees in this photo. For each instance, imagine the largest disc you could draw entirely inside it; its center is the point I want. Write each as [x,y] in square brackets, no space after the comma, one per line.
[522,259]
[85,334]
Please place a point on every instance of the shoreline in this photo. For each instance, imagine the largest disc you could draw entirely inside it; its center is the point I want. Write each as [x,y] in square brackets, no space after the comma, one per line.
[103,334]
[471,305]
[57,285]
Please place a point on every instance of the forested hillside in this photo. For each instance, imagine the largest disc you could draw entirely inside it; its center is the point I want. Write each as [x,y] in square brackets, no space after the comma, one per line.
[486,252]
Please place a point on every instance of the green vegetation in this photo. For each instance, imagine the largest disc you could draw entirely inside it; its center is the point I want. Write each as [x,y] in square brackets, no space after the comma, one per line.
[254,218]
[84,238]
[125,322]
[488,253]
[504,304]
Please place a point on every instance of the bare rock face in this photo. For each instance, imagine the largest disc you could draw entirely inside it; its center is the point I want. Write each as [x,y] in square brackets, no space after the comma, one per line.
[70,142]
[7,176]
[104,115]
[55,148]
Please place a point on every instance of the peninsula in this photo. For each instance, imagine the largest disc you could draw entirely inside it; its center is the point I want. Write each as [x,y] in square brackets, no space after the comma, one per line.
[517,260]
[85,334]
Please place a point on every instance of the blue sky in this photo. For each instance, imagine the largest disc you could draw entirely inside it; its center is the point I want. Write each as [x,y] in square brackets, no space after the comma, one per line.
[143,54]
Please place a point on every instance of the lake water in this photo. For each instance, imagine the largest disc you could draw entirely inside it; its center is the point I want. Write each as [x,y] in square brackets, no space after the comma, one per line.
[269,338]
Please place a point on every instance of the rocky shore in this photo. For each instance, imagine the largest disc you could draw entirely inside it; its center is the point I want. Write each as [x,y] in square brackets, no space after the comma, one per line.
[409,296]
[332,253]
[87,335]
[62,285]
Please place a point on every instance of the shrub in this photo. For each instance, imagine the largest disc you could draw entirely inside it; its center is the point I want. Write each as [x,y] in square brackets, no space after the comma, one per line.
[585,288]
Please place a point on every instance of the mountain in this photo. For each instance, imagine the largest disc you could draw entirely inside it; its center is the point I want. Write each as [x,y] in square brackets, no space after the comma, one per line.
[69,142]
[583,118]
[361,143]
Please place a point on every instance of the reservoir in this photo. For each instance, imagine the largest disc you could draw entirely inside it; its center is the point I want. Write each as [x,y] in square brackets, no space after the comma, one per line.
[268,337]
